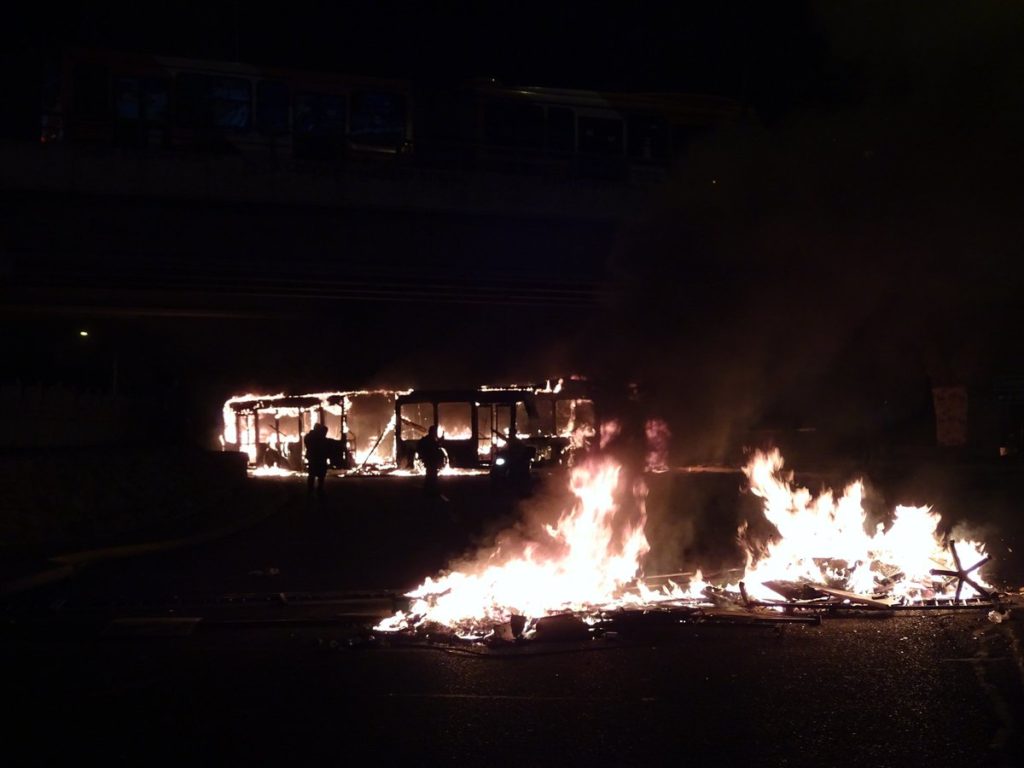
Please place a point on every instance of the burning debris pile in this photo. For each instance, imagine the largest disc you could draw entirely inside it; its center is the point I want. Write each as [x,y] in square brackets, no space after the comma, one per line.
[586,561]
[822,540]
[588,564]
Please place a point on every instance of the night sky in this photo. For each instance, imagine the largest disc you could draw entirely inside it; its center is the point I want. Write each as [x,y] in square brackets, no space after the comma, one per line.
[851,241]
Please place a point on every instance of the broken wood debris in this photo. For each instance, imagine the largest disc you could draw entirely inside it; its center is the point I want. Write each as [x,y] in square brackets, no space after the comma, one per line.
[963,575]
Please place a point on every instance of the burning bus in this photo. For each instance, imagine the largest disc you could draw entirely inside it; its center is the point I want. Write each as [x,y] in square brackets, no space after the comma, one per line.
[480,427]
[379,429]
[269,428]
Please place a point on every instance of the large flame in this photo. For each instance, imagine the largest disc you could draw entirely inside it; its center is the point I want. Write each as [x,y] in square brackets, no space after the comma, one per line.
[824,540]
[581,562]
[591,558]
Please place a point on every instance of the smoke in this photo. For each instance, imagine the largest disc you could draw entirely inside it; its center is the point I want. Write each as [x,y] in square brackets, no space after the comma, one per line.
[824,269]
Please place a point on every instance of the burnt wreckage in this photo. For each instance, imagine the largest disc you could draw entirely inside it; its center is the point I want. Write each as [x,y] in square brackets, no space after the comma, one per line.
[488,428]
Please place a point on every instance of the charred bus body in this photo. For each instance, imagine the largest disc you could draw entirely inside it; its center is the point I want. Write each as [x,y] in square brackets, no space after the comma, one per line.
[488,427]
[270,429]
[496,426]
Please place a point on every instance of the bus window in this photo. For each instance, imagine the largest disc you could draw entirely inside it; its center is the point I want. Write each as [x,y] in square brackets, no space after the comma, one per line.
[272,107]
[493,425]
[541,421]
[219,102]
[648,138]
[455,421]
[573,414]
[484,421]
[369,418]
[91,96]
[417,418]
[561,129]
[502,424]
[601,135]
[508,124]
[378,118]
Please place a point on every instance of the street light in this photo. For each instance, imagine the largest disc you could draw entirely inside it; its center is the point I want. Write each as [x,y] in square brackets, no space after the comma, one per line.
[113,364]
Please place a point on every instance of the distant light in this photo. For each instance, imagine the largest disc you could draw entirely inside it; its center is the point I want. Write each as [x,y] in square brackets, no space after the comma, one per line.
[500,461]
[83,333]
[714,181]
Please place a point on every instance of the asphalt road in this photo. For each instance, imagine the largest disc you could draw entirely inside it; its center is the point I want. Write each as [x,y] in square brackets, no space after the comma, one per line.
[194,656]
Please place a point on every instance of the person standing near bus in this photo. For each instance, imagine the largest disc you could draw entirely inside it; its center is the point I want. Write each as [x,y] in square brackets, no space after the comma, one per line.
[316,445]
[429,450]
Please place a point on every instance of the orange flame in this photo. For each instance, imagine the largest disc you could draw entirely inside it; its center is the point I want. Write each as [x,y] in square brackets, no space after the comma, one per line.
[590,559]
[581,562]
[824,540]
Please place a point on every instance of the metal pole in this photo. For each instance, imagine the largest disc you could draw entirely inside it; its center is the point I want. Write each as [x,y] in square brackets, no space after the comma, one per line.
[237,42]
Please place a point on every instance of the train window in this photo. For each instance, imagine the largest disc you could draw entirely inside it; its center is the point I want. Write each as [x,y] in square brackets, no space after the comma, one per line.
[320,114]
[271,107]
[126,98]
[648,138]
[378,118]
[561,134]
[154,99]
[508,124]
[144,98]
[600,135]
[455,420]
[211,101]
[91,95]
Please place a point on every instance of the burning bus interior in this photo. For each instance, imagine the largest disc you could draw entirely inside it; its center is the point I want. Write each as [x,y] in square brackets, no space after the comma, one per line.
[378,430]
[269,429]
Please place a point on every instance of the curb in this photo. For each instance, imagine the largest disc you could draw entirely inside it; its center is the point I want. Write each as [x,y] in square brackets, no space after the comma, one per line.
[69,564]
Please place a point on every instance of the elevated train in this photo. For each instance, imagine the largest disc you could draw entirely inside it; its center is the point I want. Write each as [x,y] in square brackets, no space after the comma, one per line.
[321,121]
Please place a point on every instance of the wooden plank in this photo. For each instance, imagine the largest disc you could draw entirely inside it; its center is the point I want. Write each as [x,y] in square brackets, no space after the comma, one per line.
[853,597]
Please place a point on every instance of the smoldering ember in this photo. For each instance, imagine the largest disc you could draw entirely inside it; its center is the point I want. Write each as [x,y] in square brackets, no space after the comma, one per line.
[501,384]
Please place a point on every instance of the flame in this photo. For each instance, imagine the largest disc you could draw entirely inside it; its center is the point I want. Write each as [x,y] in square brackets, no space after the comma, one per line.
[279,407]
[581,562]
[273,472]
[590,559]
[658,435]
[230,434]
[824,540]
[381,455]
[609,431]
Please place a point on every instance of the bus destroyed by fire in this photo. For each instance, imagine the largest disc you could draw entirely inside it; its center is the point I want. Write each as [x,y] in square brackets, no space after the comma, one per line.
[375,431]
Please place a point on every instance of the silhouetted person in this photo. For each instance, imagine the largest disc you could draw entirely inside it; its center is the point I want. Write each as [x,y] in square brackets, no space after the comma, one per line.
[316,457]
[520,456]
[429,450]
